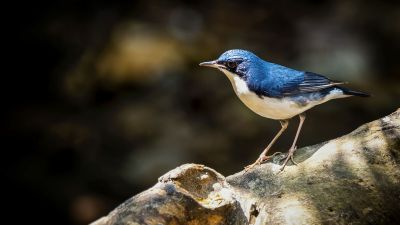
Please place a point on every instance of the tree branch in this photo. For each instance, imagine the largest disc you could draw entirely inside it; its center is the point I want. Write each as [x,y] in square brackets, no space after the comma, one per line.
[354,179]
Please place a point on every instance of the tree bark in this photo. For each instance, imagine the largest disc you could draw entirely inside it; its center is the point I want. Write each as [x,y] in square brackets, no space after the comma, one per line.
[354,179]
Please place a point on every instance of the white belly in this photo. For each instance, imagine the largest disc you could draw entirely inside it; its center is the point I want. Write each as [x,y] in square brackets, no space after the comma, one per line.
[277,109]
[273,108]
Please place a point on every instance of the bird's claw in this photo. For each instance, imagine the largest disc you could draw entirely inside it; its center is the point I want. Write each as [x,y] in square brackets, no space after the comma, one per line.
[249,167]
[294,162]
[260,160]
[289,156]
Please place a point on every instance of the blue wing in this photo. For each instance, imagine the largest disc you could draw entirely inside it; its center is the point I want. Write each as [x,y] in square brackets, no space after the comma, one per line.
[308,82]
[279,81]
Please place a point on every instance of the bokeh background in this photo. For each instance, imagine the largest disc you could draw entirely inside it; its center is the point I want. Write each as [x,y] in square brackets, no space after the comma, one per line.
[106,96]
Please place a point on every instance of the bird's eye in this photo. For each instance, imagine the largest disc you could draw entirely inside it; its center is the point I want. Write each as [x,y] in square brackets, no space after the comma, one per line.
[231,64]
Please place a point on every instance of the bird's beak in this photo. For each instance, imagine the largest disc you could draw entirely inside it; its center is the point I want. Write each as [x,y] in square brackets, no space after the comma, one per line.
[213,64]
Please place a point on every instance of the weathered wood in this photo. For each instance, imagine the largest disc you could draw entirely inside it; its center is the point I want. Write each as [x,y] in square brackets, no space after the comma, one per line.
[354,179]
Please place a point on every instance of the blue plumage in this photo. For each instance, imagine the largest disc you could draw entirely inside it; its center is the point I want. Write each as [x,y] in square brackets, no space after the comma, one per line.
[276,92]
[273,80]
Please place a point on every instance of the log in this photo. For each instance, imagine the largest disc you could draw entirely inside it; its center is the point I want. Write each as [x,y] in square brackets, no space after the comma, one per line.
[353,179]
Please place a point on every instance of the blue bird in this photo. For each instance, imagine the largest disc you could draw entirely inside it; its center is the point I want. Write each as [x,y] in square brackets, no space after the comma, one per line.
[276,92]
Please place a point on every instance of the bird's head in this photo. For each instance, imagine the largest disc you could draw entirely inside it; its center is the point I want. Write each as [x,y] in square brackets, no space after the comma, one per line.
[235,62]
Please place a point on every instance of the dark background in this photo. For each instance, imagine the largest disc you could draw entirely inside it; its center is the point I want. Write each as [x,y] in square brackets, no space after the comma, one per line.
[103,97]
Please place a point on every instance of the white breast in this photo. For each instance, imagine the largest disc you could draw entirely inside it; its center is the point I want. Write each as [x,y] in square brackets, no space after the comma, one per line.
[273,108]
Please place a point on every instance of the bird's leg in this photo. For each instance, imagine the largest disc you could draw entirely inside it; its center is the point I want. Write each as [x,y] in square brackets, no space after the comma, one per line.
[263,156]
[293,148]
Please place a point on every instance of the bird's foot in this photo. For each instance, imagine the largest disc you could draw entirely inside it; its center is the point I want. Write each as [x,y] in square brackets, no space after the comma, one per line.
[260,160]
[256,163]
[291,159]
[289,156]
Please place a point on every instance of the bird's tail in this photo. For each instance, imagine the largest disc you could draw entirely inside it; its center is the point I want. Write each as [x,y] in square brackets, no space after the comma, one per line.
[354,93]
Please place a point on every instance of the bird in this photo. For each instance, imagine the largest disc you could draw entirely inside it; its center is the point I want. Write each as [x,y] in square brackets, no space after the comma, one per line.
[277,92]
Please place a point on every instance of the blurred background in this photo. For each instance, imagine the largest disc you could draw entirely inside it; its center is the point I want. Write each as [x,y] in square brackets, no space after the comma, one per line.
[106,96]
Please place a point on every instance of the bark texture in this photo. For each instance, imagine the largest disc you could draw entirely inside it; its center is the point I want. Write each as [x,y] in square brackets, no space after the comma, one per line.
[354,179]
